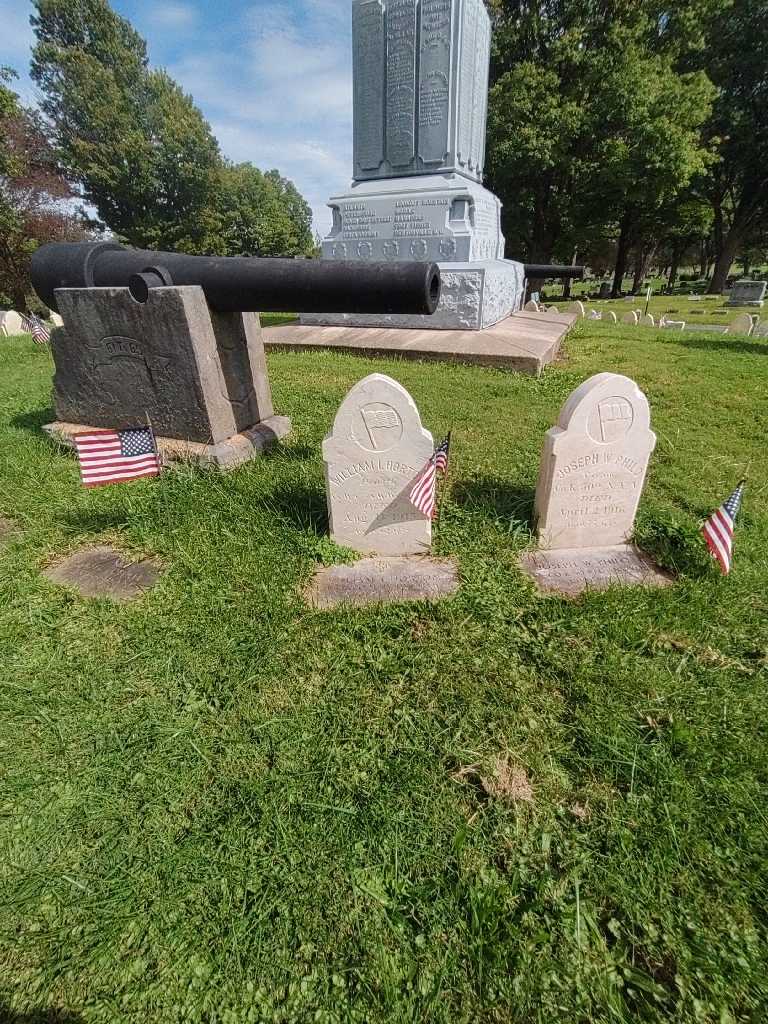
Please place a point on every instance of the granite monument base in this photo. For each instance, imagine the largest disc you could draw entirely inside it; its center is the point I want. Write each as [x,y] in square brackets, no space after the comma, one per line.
[226,454]
[571,572]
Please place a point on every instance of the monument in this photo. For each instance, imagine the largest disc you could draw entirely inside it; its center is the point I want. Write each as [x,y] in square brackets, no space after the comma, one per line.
[748,293]
[420,70]
[591,477]
[372,456]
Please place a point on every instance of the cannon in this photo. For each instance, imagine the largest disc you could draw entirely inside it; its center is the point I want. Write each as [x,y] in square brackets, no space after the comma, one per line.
[543,271]
[239,284]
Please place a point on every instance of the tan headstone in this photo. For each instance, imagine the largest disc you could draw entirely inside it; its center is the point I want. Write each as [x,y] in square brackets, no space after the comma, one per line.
[576,307]
[55,319]
[531,306]
[742,324]
[11,323]
[593,465]
[630,318]
[646,320]
[372,456]
[611,316]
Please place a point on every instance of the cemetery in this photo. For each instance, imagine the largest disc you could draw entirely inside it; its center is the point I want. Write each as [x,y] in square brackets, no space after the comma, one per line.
[383,638]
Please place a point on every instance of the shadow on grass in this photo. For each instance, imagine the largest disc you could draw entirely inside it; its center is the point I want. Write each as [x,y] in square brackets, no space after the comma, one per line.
[495,498]
[52,1016]
[302,506]
[85,521]
[33,422]
[292,452]
[679,549]
[719,343]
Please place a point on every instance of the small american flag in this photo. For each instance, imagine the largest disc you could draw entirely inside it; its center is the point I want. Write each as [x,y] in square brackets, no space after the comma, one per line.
[114,456]
[718,529]
[423,492]
[37,329]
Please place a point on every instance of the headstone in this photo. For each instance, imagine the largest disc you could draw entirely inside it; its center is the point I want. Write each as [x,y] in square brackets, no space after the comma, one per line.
[747,293]
[55,319]
[611,316]
[536,297]
[674,325]
[373,454]
[593,465]
[578,308]
[552,309]
[594,315]
[11,323]
[104,572]
[630,318]
[531,307]
[646,320]
[376,580]
[420,98]
[761,331]
[605,290]
[742,324]
[198,378]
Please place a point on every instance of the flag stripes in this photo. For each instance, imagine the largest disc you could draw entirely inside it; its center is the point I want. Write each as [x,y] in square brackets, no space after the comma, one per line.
[424,490]
[718,529]
[112,456]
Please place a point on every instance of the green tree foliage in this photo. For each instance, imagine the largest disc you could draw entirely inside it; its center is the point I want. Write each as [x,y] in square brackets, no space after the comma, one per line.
[32,196]
[140,149]
[738,186]
[592,127]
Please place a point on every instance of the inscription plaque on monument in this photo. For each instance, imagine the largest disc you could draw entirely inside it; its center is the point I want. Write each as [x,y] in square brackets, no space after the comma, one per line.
[593,465]
[372,456]
[747,293]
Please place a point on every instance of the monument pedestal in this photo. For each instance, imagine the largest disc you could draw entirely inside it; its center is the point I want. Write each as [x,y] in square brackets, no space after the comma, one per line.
[197,378]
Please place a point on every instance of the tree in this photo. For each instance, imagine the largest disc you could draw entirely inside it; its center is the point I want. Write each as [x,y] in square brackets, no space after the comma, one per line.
[262,214]
[585,95]
[738,186]
[33,193]
[140,149]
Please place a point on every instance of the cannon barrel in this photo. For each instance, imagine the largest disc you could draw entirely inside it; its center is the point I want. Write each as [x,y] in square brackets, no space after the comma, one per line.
[545,270]
[240,283]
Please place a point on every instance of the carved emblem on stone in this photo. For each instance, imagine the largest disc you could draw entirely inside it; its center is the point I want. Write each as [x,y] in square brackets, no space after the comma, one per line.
[418,248]
[391,249]
[615,416]
[447,248]
[339,251]
[364,250]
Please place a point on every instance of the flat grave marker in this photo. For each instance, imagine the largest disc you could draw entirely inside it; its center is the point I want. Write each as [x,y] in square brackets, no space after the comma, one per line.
[104,572]
[377,580]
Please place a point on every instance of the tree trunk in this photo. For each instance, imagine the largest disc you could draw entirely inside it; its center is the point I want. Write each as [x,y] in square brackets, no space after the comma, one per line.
[673,269]
[623,247]
[725,257]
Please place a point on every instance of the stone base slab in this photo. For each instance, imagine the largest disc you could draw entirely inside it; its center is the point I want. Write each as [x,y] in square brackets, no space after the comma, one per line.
[474,296]
[104,572]
[384,580]
[571,571]
[744,302]
[227,454]
[525,342]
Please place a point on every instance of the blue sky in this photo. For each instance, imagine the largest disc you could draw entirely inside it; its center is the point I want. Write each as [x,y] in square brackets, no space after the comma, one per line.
[274,79]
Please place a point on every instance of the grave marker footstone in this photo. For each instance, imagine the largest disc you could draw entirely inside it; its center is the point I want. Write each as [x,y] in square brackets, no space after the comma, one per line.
[372,456]
[630,318]
[742,324]
[11,323]
[646,320]
[594,464]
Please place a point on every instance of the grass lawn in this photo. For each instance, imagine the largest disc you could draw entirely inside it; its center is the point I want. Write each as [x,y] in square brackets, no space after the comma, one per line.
[221,806]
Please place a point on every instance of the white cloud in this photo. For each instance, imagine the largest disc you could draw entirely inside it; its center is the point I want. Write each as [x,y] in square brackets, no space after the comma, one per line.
[172,15]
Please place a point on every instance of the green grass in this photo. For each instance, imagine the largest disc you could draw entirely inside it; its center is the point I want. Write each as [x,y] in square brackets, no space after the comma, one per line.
[218,805]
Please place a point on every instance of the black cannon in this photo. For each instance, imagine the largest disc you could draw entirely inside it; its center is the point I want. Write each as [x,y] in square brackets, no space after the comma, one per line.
[543,271]
[241,284]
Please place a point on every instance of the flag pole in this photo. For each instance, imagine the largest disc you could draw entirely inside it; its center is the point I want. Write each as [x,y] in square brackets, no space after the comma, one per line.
[445,477]
[648,298]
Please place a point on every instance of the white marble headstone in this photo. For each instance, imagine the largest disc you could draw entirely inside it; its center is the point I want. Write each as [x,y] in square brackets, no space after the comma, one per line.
[742,324]
[630,318]
[593,465]
[372,456]
[11,323]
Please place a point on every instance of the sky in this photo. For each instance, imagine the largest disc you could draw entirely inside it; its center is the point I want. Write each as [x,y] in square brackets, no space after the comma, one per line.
[274,79]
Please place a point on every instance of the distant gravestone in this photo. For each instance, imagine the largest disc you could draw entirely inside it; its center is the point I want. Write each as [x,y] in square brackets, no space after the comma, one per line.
[630,318]
[11,323]
[594,315]
[531,307]
[610,315]
[747,293]
[742,324]
[646,320]
[578,308]
[594,464]
[761,331]
[372,456]
[55,319]
[605,290]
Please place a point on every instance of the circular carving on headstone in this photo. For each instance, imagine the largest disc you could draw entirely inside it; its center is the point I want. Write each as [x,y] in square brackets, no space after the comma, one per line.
[365,250]
[610,420]
[339,251]
[447,248]
[418,248]
[391,249]
[377,427]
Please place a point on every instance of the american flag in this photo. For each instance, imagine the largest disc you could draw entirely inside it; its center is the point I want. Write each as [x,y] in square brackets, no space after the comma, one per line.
[718,529]
[423,492]
[37,329]
[113,456]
